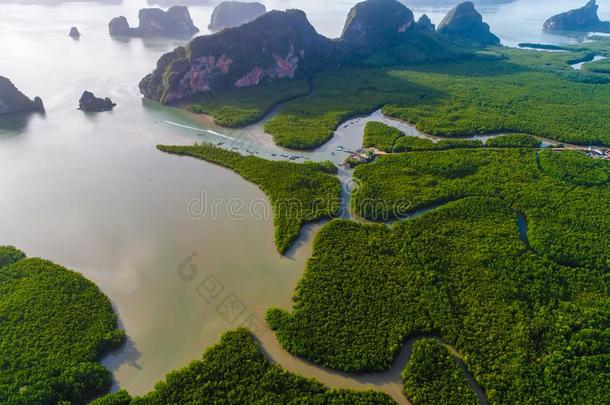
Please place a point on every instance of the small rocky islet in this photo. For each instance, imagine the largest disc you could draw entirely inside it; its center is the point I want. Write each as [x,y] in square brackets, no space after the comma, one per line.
[74,33]
[580,19]
[90,103]
[175,22]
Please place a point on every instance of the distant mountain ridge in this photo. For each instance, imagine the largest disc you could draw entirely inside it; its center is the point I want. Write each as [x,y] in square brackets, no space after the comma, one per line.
[283,44]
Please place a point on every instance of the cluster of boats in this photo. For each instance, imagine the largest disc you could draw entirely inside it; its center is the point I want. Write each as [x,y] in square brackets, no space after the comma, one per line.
[290,157]
[598,153]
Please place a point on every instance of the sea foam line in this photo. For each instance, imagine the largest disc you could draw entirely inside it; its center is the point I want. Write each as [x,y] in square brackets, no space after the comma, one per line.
[201,130]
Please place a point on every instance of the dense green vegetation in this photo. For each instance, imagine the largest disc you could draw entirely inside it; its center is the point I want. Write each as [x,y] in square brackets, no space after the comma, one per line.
[10,255]
[600,66]
[54,327]
[529,329]
[513,141]
[381,136]
[412,143]
[242,106]
[121,397]
[575,168]
[310,121]
[390,139]
[584,57]
[445,144]
[546,47]
[566,223]
[235,371]
[518,91]
[299,193]
[432,376]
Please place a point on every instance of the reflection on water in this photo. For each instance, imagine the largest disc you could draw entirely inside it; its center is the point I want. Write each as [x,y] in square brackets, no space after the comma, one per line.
[15,124]
[91,191]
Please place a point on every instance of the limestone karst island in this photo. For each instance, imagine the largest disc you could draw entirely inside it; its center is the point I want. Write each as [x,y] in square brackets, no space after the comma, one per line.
[304,202]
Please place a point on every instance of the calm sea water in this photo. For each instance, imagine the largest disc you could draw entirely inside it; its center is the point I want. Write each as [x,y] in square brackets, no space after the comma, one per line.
[91,191]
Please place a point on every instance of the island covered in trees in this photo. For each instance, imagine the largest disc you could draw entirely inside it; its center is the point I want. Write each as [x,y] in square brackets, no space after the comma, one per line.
[54,328]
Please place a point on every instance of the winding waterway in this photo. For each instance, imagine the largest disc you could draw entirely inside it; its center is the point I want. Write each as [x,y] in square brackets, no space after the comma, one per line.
[91,191]
[579,65]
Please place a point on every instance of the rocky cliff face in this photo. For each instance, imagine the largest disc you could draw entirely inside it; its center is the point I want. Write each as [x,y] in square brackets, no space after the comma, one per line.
[88,102]
[175,22]
[425,23]
[12,100]
[464,23]
[230,14]
[279,44]
[119,26]
[581,19]
[385,30]
[283,44]
[375,23]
